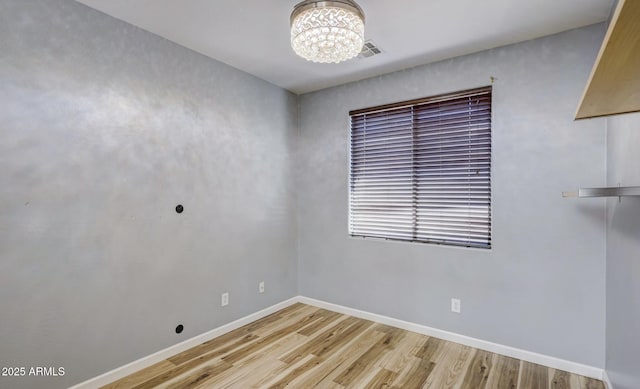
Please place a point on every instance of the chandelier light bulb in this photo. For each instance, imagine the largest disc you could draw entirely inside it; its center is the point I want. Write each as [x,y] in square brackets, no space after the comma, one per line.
[327,31]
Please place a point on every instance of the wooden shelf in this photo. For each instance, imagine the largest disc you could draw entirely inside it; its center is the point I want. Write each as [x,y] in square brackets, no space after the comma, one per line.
[614,84]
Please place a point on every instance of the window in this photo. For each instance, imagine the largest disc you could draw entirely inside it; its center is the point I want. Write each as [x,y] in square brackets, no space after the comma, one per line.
[420,170]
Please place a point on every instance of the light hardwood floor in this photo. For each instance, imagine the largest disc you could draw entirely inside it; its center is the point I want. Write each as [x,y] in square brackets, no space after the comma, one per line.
[307,347]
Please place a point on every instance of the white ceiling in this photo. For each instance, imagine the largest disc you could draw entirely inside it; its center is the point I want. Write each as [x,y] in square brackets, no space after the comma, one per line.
[253,35]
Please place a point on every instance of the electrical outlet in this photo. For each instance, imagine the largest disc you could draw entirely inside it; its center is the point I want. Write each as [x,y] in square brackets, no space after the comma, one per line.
[455,305]
[224,300]
[261,287]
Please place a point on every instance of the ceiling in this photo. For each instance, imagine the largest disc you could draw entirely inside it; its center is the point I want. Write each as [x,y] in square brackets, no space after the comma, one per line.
[253,35]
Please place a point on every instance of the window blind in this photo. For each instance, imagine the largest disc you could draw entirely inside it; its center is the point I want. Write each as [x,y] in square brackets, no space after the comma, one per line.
[421,170]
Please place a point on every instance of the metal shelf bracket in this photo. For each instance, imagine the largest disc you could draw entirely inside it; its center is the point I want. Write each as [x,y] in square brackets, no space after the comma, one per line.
[618,191]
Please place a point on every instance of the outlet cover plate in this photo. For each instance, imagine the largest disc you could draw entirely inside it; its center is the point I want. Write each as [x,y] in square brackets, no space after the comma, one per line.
[455,305]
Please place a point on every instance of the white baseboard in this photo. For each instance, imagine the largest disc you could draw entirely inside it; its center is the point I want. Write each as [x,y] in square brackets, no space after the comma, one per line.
[147,361]
[607,381]
[123,371]
[556,363]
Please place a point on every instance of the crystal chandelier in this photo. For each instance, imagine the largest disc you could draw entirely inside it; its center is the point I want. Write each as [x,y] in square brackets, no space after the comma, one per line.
[327,31]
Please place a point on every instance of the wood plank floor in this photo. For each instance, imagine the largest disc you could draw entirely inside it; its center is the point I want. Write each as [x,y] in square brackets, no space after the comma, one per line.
[307,347]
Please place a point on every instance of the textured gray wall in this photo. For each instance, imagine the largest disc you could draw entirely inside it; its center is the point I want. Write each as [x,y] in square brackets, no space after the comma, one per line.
[541,287]
[623,254]
[104,128]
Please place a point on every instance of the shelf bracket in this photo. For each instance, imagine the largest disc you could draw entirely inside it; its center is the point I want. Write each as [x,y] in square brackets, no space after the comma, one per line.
[619,192]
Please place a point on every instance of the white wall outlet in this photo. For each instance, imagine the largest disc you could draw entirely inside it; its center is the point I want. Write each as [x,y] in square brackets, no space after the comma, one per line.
[261,287]
[224,299]
[455,305]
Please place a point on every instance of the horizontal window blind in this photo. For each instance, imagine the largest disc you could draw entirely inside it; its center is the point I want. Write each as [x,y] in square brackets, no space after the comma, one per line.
[421,170]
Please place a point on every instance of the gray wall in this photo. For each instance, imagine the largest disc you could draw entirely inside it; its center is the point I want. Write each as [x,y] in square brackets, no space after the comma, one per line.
[104,129]
[541,287]
[623,254]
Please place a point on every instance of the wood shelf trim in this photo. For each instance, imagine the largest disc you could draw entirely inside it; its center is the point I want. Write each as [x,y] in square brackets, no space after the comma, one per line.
[614,84]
